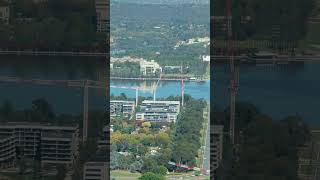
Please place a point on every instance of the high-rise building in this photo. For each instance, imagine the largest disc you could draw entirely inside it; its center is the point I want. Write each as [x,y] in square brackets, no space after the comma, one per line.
[102,12]
[7,151]
[216,146]
[56,144]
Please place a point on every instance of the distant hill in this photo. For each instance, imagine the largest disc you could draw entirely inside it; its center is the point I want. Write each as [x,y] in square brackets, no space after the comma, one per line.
[164,1]
[132,12]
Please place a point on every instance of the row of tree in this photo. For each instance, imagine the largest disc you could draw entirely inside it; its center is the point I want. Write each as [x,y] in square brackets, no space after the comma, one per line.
[186,141]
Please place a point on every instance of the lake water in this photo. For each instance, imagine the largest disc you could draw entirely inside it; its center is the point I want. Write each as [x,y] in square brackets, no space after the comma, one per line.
[278,91]
[165,89]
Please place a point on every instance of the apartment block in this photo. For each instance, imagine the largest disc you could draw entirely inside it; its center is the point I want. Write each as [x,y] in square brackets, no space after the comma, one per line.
[7,151]
[158,111]
[59,147]
[57,144]
[118,107]
[216,146]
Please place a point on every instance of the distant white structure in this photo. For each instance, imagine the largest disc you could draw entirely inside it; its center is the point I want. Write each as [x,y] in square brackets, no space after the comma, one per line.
[206,58]
[149,67]
[146,67]
[204,40]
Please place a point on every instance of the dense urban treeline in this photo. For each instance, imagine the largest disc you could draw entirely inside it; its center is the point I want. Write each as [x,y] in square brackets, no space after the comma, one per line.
[52,25]
[282,20]
[267,147]
[186,141]
[131,144]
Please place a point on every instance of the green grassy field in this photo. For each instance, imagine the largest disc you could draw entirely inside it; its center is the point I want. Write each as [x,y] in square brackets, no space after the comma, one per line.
[124,175]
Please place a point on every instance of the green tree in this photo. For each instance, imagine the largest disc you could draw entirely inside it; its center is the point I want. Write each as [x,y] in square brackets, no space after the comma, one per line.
[151,176]
[161,170]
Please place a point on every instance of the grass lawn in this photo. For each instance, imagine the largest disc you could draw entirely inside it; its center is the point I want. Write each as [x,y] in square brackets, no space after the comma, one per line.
[124,175]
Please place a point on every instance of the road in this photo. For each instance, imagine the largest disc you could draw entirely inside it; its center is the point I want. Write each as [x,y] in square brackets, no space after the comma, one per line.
[206,157]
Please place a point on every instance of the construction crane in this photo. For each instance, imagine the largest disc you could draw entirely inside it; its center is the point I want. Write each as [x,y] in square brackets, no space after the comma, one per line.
[155,87]
[234,71]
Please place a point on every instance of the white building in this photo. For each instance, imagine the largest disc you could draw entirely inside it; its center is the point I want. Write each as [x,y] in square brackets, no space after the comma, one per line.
[206,58]
[158,111]
[216,146]
[149,67]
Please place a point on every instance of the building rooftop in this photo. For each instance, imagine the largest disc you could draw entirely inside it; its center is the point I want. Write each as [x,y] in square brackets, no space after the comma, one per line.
[121,101]
[161,102]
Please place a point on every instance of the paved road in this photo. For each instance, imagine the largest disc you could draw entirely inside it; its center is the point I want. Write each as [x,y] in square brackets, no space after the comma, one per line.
[206,160]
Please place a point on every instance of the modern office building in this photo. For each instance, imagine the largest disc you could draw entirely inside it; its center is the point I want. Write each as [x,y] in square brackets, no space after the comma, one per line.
[158,111]
[97,168]
[118,107]
[7,151]
[57,144]
[103,18]
[216,146]
[59,147]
